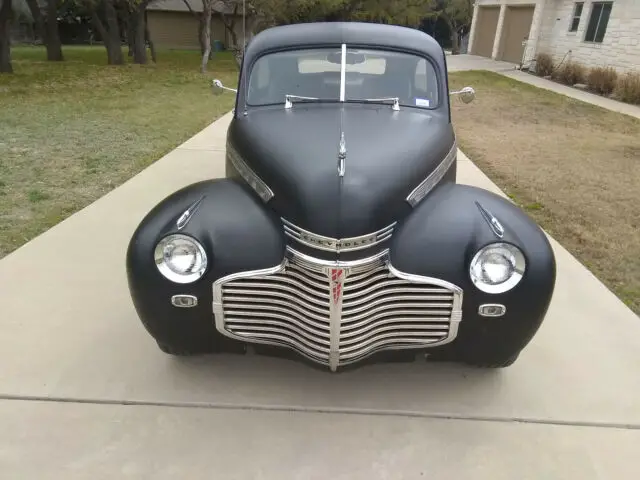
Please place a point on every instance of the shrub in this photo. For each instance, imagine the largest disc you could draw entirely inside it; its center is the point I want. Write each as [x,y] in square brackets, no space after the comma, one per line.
[544,64]
[602,80]
[570,73]
[628,88]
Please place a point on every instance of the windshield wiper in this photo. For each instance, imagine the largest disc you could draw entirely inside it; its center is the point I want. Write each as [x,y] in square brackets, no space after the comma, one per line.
[395,105]
[289,99]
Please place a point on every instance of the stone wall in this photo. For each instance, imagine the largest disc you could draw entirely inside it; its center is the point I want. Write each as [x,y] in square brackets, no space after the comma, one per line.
[620,47]
[549,33]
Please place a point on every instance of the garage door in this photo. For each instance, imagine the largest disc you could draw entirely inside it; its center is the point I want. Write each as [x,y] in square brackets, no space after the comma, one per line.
[486,25]
[517,24]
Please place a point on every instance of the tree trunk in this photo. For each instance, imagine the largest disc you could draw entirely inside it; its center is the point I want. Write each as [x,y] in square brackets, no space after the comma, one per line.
[110,33]
[34,8]
[139,44]
[453,31]
[112,41]
[131,32]
[5,37]
[205,39]
[455,44]
[202,22]
[52,40]
[147,37]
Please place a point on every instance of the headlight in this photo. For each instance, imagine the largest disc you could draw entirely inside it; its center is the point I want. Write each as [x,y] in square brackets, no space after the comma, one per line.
[180,258]
[497,268]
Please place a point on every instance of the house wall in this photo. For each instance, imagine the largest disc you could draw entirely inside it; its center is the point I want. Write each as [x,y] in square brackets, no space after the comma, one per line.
[549,33]
[620,47]
[536,23]
[180,29]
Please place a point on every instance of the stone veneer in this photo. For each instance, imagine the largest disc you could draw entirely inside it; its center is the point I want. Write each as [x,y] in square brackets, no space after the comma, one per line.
[549,33]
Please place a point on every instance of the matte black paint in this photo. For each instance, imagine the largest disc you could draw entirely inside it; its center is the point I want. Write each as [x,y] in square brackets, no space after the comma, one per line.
[440,239]
[238,234]
[388,154]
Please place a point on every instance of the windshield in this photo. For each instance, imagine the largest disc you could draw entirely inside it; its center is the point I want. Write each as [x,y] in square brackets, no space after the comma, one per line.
[317,73]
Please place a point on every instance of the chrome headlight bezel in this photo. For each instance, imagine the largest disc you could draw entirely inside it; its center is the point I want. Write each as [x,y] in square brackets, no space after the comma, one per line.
[172,274]
[513,255]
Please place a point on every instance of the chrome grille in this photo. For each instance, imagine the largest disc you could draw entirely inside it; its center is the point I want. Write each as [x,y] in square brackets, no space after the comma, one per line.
[337,313]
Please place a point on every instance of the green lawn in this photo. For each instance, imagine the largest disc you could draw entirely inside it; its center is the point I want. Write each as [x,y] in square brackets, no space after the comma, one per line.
[574,167]
[72,131]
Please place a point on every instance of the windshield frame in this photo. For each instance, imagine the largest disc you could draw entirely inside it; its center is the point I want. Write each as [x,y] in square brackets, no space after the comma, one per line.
[248,71]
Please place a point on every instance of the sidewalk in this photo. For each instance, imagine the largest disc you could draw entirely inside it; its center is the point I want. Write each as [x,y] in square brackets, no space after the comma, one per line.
[86,393]
[609,104]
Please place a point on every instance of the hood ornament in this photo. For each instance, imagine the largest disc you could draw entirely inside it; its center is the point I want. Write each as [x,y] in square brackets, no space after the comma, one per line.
[494,224]
[342,156]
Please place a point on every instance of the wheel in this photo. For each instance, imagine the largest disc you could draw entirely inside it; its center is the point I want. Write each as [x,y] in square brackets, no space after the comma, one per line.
[488,362]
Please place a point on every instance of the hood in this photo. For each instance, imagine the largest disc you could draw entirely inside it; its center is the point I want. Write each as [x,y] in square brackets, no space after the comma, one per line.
[295,152]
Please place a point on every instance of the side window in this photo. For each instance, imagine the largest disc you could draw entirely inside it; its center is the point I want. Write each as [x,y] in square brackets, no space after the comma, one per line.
[600,12]
[577,13]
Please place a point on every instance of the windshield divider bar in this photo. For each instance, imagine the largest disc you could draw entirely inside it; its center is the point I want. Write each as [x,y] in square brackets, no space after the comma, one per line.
[343,72]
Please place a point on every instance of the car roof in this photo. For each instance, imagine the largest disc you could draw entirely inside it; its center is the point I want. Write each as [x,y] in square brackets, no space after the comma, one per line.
[357,33]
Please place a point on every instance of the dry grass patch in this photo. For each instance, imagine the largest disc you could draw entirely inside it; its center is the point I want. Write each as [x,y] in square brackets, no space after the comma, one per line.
[574,167]
[72,131]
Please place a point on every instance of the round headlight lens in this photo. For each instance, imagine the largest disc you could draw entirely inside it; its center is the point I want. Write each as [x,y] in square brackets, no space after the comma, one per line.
[180,258]
[497,268]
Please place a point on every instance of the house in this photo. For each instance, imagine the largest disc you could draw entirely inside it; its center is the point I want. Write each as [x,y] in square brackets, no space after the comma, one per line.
[174,24]
[591,32]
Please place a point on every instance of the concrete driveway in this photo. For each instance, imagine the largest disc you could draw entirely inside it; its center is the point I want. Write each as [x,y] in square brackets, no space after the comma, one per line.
[85,393]
[457,63]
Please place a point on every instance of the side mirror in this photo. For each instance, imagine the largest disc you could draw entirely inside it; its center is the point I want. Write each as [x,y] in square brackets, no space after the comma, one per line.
[467,94]
[219,88]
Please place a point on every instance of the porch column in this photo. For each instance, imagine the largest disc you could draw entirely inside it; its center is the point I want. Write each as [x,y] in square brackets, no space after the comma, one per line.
[472,33]
[498,37]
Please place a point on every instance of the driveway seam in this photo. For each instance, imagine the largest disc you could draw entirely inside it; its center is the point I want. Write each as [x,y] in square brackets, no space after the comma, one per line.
[323,410]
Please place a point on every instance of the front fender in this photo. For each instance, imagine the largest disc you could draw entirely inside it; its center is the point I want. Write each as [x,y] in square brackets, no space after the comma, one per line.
[237,233]
[439,239]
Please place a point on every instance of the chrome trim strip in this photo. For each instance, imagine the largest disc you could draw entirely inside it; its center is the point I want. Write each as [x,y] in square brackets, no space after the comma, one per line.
[249,175]
[341,337]
[338,245]
[428,184]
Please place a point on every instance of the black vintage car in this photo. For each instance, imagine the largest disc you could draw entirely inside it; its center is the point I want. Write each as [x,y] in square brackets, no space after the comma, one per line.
[339,233]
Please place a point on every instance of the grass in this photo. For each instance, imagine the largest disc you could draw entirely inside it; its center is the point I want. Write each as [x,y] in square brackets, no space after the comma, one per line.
[573,167]
[72,131]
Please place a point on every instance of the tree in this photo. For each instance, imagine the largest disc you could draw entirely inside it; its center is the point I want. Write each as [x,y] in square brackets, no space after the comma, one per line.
[140,31]
[109,29]
[205,33]
[45,16]
[457,14]
[6,15]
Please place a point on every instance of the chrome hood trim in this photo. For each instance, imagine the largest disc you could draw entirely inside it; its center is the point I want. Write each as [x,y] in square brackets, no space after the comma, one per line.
[249,176]
[337,245]
[429,183]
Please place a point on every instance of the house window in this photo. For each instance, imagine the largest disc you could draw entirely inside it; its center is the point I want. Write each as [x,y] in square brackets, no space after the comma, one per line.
[577,13]
[598,20]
